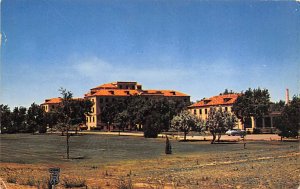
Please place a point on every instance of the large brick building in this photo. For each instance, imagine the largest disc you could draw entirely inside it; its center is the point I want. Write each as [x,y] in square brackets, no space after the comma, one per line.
[110,92]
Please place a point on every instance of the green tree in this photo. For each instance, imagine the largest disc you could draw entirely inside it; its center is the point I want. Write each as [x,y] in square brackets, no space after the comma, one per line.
[289,120]
[218,122]
[253,103]
[277,106]
[122,120]
[185,122]
[5,118]
[51,119]
[35,119]
[72,112]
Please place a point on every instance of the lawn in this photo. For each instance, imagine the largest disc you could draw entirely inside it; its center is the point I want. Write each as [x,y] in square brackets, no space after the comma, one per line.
[103,160]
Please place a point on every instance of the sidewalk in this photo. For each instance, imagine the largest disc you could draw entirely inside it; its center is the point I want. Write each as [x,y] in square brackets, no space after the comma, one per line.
[254,137]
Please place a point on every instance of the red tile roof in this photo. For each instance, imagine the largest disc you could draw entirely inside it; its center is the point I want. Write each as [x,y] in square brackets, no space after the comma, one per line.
[163,93]
[111,89]
[228,99]
[53,100]
[112,92]
[128,92]
[112,85]
[57,100]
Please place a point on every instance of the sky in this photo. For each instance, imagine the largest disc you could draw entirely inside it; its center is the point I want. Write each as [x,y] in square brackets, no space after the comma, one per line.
[197,47]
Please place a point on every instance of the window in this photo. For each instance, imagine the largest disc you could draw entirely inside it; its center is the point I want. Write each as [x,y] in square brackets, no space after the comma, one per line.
[87,119]
[195,112]
[93,109]
[200,111]
[205,111]
[226,109]
[106,100]
[101,100]
[93,119]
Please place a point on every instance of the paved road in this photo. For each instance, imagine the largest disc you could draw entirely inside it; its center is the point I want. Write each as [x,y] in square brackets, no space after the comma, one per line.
[207,137]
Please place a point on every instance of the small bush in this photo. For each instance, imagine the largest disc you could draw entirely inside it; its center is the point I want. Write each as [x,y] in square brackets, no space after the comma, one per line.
[256,131]
[12,179]
[74,182]
[31,181]
[125,184]
[44,183]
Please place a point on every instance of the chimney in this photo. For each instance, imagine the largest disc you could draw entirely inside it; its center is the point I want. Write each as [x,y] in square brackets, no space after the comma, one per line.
[287,97]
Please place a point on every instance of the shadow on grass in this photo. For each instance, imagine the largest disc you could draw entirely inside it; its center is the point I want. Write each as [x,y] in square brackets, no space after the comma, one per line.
[220,142]
[290,140]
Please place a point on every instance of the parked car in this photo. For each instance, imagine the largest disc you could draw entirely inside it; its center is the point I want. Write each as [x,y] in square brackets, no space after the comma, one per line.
[235,132]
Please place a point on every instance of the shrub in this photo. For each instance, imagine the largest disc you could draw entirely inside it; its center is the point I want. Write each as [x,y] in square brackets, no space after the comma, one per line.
[31,181]
[256,131]
[125,184]
[74,182]
[12,179]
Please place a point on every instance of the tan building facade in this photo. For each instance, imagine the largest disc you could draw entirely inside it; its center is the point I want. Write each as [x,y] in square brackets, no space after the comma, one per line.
[225,102]
[202,108]
[110,92]
[51,104]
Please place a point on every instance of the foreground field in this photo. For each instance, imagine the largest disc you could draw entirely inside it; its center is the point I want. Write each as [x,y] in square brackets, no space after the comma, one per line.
[102,161]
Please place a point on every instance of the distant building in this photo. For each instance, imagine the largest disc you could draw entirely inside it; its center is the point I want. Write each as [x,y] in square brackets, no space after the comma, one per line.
[110,92]
[225,102]
[51,104]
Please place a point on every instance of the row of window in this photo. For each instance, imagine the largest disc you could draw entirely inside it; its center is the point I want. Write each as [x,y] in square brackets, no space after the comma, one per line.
[205,110]
[107,100]
[113,99]
[46,107]
[90,119]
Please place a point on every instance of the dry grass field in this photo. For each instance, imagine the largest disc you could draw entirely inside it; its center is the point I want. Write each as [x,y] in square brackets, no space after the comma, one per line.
[103,161]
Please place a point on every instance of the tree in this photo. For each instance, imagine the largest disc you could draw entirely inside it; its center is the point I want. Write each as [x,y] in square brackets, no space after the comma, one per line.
[72,112]
[35,119]
[277,106]
[218,122]
[253,103]
[51,119]
[18,120]
[226,91]
[154,115]
[5,118]
[289,120]
[122,120]
[185,122]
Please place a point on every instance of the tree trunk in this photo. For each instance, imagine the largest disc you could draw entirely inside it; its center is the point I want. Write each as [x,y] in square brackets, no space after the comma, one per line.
[214,137]
[219,136]
[68,136]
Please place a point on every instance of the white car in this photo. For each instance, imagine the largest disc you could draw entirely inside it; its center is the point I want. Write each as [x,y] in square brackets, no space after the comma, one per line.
[235,132]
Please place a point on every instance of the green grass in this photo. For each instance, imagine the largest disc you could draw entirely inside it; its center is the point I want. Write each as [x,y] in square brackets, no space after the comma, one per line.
[95,149]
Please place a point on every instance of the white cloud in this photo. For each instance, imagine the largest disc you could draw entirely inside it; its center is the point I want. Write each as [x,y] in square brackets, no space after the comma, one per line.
[98,70]
[92,66]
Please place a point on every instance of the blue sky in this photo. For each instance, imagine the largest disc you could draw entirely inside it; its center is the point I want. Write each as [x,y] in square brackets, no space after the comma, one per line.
[197,47]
